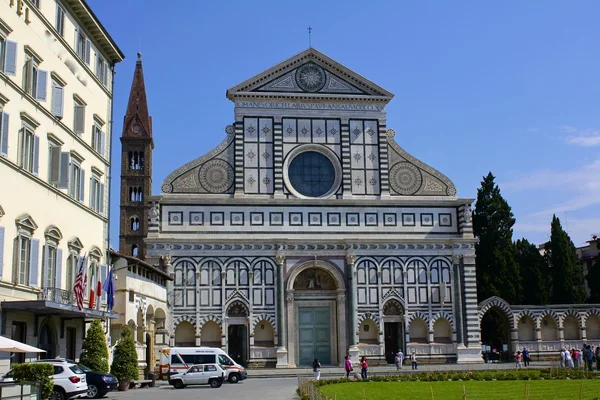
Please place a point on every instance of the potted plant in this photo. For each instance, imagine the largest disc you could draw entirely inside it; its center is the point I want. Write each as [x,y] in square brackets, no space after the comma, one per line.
[124,365]
[94,352]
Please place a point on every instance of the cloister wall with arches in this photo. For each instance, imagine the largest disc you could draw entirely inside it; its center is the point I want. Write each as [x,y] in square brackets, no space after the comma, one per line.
[544,330]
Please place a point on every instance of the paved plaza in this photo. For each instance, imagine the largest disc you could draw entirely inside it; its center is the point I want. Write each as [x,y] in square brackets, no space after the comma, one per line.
[250,389]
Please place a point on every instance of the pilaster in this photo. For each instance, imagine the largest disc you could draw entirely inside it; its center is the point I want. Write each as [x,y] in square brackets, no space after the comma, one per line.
[282,353]
[353,350]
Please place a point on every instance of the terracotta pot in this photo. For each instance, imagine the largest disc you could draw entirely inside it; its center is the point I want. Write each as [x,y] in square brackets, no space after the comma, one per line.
[123,386]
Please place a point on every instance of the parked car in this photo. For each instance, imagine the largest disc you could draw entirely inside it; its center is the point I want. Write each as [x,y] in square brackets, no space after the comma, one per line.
[69,380]
[99,383]
[204,374]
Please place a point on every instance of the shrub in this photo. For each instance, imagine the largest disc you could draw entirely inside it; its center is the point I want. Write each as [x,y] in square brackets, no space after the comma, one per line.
[36,372]
[94,352]
[124,365]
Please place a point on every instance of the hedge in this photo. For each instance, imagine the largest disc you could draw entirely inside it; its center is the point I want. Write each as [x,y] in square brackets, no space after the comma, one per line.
[34,372]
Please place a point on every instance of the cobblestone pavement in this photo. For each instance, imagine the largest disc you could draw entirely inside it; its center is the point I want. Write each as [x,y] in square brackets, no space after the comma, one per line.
[250,389]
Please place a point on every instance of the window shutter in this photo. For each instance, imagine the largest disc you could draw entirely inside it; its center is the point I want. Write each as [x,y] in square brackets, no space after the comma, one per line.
[92,194]
[45,265]
[54,164]
[34,261]
[58,269]
[57,100]
[102,143]
[42,83]
[36,154]
[79,118]
[4,135]
[88,46]
[82,185]
[1,251]
[101,199]
[105,73]
[10,58]
[63,177]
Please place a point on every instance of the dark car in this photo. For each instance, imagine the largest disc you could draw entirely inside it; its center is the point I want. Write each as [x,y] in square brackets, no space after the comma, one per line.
[99,383]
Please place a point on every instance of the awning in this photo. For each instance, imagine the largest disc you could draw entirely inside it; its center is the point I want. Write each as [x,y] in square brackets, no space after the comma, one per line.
[46,307]
[13,346]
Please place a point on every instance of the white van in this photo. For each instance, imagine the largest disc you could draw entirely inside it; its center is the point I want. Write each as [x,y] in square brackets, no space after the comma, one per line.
[179,359]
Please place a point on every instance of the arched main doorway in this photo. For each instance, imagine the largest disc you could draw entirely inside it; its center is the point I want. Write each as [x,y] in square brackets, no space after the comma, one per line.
[393,329]
[48,340]
[237,332]
[315,310]
[495,333]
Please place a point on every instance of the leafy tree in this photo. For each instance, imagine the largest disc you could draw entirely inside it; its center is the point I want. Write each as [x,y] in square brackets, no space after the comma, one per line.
[35,372]
[534,273]
[593,278]
[568,282]
[497,270]
[125,363]
[94,352]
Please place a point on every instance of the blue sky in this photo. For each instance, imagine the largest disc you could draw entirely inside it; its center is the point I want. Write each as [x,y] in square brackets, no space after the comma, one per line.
[510,87]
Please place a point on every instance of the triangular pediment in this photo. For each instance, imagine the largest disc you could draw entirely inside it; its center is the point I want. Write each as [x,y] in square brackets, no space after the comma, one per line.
[309,73]
[26,222]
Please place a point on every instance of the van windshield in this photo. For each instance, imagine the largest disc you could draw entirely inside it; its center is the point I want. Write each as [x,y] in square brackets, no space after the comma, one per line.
[224,360]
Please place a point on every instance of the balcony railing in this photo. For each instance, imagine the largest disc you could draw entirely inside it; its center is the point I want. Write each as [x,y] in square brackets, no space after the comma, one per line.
[57,295]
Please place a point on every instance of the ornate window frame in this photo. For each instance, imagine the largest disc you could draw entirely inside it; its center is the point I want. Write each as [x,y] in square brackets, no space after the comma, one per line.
[75,246]
[51,257]
[26,226]
[324,150]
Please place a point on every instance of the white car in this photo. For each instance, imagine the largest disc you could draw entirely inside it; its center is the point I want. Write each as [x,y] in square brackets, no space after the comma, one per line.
[205,374]
[69,380]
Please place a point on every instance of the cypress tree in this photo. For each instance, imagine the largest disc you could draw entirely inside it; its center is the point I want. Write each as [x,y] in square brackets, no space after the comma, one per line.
[568,284]
[497,271]
[593,278]
[94,352]
[534,273]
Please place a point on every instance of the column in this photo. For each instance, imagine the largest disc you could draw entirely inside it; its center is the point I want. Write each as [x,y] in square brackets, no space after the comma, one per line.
[171,299]
[353,350]
[471,352]
[282,353]
[457,289]
[514,338]
[341,322]
[198,333]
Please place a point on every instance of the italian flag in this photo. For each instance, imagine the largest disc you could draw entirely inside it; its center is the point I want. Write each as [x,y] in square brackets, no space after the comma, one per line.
[92,281]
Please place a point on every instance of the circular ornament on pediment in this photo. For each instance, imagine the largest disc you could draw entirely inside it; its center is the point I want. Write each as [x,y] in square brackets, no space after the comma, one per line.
[405,178]
[216,176]
[310,77]
[229,129]
[167,188]
[451,191]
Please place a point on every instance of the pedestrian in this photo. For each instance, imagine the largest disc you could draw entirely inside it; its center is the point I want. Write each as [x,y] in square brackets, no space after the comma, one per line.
[347,366]
[597,358]
[363,367]
[518,359]
[575,358]
[588,357]
[317,369]
[399,359]
[563,358]
[413,360]
[568,360]
[526,358]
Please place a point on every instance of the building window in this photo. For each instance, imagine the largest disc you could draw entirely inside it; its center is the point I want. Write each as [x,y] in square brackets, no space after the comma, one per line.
[18,333]
[8,56]
[28,150]
[49,279]
[60,19]
[98,139]
[58,96]
[4,120]
[134,250]
[135,193]
[23,259]
[83,47]
[52,259]
[79,116]
[97,194]
[77,175]
[36,3]
[135,224]
[34,79]
[102,70]
[53,163]
[136,160]
[71,268]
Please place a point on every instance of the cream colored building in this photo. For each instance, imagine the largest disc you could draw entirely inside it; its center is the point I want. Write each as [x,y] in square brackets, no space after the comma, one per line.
[56,68]
[141,302]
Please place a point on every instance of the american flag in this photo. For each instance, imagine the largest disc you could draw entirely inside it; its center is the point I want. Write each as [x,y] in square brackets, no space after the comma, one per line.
[80,281]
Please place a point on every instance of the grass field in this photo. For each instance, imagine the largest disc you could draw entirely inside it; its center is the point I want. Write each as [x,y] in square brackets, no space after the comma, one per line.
[487,390]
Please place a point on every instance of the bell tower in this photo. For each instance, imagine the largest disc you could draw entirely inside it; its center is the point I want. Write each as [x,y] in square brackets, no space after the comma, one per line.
[136,168]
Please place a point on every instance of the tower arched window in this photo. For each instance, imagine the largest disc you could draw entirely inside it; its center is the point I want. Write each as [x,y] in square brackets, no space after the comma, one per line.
[134,250]
[135,224]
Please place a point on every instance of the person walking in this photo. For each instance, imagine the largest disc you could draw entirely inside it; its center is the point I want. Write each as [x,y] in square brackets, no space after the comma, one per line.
[399,359]
[526,358]
[317,369]
[518,359]
[597,358]
[413,360]
[563,358]
[347,366]
[575,357]
[363,367]
[588,357]
[568,360]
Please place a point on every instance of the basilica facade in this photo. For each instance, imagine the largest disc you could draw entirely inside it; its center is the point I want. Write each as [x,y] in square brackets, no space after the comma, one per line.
[309,232]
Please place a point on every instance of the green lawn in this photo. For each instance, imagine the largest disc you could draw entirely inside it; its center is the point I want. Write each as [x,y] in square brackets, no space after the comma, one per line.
[487,390]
